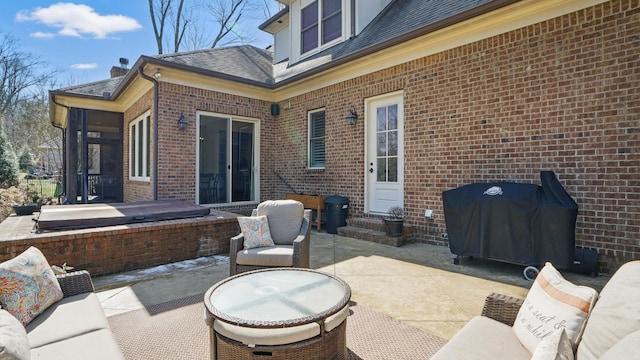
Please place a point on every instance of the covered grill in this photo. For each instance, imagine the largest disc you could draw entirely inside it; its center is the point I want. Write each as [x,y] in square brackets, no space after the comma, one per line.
[517,223]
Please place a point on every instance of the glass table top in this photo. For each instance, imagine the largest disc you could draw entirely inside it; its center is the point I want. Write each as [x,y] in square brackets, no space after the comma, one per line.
[277,296]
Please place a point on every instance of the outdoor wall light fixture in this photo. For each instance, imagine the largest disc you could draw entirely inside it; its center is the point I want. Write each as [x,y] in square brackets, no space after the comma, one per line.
[182,122]
[157,75]
[352,116]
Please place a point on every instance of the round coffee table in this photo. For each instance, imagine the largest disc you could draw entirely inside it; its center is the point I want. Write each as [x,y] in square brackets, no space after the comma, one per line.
[281,313]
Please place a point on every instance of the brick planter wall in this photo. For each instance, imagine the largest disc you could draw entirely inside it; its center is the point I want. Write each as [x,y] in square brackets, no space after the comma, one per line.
[122,248]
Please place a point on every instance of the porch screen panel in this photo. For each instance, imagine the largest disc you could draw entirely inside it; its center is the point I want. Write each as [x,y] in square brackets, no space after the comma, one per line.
[387,143]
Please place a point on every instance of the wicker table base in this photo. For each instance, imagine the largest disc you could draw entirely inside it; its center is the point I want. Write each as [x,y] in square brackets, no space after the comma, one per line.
[331,346]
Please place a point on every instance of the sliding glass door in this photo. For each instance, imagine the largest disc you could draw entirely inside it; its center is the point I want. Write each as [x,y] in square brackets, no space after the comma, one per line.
[227,160]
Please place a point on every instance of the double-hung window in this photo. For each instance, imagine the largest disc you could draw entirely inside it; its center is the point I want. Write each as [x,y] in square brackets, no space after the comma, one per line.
[321,22]
[140,148]
[316,139]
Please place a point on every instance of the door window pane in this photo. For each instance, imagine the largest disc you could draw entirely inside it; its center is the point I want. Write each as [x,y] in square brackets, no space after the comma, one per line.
[242,161]
[213,171]
[387,143]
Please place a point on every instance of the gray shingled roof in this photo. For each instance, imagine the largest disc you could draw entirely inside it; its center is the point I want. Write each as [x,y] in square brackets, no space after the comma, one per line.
[245,62]
[98,88]
[399,20]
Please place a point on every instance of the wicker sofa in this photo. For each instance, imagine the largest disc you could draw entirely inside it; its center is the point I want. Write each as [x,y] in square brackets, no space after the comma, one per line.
[74,327]
[612,330]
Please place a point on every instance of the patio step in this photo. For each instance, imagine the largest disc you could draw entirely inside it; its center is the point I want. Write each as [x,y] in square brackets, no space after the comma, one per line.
[373,229]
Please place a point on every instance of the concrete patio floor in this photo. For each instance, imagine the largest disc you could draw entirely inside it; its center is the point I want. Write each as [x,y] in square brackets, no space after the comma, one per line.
[417,284]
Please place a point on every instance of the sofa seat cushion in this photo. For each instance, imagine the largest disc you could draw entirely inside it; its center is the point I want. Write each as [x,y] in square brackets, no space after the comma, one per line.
[483,338]
[94,345]
[277,336]
[14,344]
[615,315]
[280,255]
[626,348]
[69,317]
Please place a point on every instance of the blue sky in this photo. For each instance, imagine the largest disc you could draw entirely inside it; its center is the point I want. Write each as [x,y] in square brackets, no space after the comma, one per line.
[84,39]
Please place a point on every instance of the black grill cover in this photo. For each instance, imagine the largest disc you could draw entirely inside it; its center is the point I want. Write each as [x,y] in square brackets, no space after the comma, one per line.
[518,223]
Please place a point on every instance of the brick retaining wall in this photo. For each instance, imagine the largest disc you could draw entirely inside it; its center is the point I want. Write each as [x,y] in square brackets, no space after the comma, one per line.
[116,249]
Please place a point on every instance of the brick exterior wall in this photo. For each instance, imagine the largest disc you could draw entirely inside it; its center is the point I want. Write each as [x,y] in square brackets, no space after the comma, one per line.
[134,190]
[117,249]
[561,95]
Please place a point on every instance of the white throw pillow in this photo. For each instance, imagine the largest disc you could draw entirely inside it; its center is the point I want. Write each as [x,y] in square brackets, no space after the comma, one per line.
[14,344]
[553,303]
[555,346]
[255,230]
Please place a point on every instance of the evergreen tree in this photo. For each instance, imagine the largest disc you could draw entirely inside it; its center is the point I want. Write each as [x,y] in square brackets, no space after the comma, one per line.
[8,164]
[25,162]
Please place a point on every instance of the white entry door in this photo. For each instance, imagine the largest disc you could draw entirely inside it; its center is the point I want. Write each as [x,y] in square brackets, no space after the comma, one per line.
[384,153]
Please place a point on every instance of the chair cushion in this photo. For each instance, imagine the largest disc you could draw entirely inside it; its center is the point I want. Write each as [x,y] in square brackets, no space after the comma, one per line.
[277,336]
[555,346]
[28,285]
[14,344]
[255,231]
[615,315]
[483,338]
[285,219]
[553,303]
[279,255]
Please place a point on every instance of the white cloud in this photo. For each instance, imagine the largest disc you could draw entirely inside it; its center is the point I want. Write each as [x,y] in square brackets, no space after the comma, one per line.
[78,20]
[84,66]
[42,35]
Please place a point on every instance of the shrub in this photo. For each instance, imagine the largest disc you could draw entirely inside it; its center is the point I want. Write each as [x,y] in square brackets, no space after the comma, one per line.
[8,163]
[9,197]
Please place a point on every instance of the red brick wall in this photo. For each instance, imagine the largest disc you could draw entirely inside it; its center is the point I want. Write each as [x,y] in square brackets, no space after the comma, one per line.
[136,190]
[178,147]
[117,249]
[562,95]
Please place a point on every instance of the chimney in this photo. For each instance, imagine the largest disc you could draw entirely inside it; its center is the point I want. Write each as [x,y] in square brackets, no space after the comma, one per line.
[117,71]
[122,70]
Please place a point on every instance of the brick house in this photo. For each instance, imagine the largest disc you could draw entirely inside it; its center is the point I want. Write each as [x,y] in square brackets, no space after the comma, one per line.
[479,91]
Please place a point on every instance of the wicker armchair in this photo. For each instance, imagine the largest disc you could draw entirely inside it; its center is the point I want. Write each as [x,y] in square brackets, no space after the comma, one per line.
[288,252]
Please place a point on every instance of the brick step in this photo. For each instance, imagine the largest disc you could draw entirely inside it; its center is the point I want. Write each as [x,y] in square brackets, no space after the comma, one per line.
[374,230]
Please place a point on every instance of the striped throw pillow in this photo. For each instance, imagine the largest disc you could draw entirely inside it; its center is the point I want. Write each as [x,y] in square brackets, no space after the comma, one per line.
[553,303]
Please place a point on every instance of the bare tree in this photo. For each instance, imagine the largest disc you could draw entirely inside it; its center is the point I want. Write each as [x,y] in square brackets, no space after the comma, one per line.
[162,12]
[20,73]
[226,14]
[197,24]
[28,127]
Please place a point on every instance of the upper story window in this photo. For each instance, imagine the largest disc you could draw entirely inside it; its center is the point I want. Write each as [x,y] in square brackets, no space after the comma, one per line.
[320,27]
[140,148]
[316,139]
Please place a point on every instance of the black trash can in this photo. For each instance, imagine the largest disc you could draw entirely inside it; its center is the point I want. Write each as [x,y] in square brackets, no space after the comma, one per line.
[337,208]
